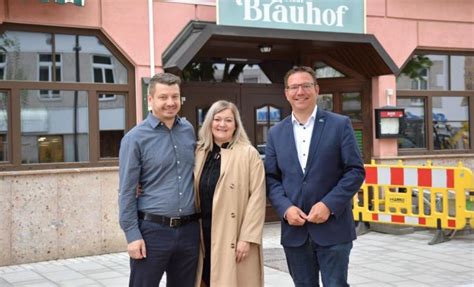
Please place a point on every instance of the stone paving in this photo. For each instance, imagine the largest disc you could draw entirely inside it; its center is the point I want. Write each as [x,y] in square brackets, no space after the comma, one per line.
[377,260]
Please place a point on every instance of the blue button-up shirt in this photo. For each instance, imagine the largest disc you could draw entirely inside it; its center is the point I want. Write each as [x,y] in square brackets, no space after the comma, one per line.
[162,161]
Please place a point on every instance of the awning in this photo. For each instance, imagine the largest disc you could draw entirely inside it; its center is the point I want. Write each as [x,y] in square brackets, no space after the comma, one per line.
[75,2]
[360,52]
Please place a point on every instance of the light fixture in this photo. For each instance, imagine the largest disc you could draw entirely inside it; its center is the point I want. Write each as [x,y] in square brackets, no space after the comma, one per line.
[265,48]
[389,94]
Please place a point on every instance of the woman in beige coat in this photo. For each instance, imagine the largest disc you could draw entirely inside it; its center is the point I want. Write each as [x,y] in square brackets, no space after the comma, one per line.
[230,189]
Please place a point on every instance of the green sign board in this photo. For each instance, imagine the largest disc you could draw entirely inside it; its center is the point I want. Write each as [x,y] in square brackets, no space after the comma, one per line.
[342,16]
[75,2]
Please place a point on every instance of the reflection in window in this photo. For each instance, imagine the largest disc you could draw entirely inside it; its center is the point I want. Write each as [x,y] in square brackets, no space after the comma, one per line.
[22,50]
[451,123]
[352,106]
[323,70]
[51,149]
[421,82]
[48,73]
[414,123]
[438,72]
[3,65]
[111,125]
[325,102]
[76,53]
[54,131]
[201,115]
[3,127]
[225,72]
[266,117]
[462,73]
[103,73]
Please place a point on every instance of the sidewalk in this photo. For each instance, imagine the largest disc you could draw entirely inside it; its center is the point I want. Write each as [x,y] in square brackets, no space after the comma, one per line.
[377,260]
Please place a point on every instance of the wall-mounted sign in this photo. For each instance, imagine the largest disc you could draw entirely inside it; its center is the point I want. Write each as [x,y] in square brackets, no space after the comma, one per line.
[387,122]
[343,16]
[75,2]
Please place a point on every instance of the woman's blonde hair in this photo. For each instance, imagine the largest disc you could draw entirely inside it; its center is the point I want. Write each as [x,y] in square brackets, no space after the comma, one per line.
[206,140]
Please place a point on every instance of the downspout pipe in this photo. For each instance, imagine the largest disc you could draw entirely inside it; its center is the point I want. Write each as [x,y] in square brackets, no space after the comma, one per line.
[151,37]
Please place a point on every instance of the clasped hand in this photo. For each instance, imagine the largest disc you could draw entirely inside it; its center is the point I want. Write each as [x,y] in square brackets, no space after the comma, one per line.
[319,213]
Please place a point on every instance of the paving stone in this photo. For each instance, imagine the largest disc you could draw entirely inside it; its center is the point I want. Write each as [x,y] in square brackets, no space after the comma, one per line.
[80,282]
[21,276]
[59,276]
[105,275]
[40,283]
[85,266]
[113,282]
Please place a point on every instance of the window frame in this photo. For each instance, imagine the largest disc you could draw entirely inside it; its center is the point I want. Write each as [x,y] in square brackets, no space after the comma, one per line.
[428,117]
[428,95]
[13,89]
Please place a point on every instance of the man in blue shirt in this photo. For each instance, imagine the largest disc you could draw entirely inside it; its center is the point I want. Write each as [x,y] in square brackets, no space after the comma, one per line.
[161,224]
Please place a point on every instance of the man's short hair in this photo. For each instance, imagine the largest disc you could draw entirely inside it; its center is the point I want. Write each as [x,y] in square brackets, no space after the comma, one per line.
[299,69]
[162,78]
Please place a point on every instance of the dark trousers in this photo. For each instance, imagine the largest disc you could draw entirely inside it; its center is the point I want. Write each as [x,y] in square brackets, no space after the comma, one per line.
[307,261]
[173,250]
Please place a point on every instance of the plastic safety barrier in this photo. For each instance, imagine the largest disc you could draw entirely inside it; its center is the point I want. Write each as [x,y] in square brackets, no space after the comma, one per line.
[426,196]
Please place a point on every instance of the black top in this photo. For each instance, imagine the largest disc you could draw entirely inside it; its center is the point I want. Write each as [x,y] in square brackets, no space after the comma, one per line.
[207,184]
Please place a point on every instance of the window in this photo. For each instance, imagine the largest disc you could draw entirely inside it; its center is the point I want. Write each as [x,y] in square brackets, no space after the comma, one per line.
[50,149]
[352,106]
[323,70]
[54,131]
[30,57]
[266,117]
[437,92]
[438,73]
[414,123]
[3,65]
[450,123]
[325,102]
[3,127]
[103,73]
[111,125]
[232,70]
[201,115]
[48,73]
[63,121]
[421,82]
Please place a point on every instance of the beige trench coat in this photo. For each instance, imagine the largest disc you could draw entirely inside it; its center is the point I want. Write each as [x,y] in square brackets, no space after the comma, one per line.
[238,213]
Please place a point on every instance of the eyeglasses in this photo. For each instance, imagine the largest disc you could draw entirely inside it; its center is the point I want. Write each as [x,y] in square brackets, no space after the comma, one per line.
[305,86]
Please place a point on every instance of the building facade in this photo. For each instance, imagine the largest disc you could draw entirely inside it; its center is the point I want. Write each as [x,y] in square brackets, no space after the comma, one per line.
[73,80]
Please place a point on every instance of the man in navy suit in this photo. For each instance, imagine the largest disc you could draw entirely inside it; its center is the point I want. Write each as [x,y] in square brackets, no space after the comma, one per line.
[313,169]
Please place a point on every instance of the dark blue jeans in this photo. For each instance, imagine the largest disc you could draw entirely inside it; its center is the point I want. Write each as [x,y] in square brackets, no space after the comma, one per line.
[307,261]
[171,250]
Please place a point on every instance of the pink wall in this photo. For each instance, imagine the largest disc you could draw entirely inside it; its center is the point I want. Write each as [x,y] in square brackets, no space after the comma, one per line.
[170,19]
[438,10]
[401,26]
[383,147]
[127,24]
[35,12]
[2,11]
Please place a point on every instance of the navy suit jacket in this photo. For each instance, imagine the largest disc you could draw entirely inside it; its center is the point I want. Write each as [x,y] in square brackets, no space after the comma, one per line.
[334,173]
